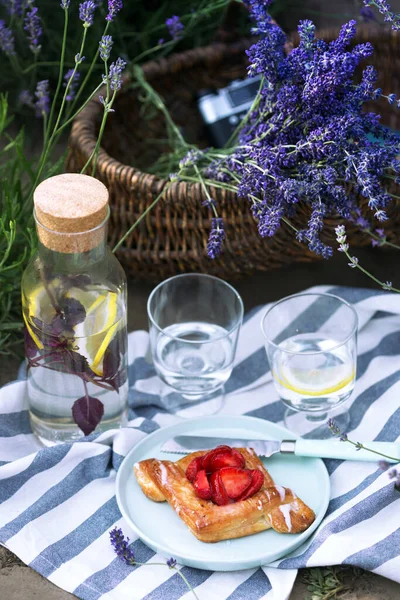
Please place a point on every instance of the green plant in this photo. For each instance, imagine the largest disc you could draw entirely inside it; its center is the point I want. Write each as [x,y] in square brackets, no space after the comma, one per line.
[329,583]
[17,242]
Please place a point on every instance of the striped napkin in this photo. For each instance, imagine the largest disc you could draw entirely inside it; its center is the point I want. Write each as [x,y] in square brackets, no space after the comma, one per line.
[57,505]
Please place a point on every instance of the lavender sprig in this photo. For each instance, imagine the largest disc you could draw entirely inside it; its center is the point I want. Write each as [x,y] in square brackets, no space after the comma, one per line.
[123,550]
[71,77]
[384,8]
[33,29]
[175,27]
[115,74]
[7,43]
[15,7]
[344,247]
[105,46]
[42,94]
[121,546]
[332,425]
[216,237]
[114,6]
[86,12]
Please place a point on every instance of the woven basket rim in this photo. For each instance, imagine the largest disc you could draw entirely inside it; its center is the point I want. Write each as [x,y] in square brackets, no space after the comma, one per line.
[84,124]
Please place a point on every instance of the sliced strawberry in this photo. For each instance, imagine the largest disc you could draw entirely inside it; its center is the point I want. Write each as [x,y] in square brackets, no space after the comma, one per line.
[235,481]
[240,457]
[202,485]
[257,480]
[218,493]
[194,467]
[231,458]
[209,456]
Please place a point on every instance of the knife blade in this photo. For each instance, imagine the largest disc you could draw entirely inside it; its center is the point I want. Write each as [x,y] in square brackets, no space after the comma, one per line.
[185,444]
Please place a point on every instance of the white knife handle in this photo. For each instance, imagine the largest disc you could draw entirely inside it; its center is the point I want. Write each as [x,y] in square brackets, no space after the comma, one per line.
[344,450]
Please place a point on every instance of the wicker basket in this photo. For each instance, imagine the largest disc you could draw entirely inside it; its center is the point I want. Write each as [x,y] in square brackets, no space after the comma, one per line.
[173,236]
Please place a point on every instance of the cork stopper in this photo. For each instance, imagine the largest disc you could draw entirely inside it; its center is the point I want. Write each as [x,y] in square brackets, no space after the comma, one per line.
[69,210]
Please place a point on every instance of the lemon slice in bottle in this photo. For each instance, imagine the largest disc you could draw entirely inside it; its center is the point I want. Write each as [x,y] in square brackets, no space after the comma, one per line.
[315,382]
[95,333]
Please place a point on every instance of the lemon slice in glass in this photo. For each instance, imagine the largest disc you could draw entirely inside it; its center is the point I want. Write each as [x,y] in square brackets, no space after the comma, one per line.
[315,382]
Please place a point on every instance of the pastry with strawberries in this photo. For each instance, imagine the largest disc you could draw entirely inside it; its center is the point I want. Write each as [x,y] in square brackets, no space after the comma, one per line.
[223,494]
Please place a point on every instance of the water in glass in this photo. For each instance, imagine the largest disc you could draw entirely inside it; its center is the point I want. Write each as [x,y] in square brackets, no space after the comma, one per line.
[194,357]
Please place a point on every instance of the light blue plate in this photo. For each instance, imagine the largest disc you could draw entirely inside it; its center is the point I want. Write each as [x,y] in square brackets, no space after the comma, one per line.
[158,526]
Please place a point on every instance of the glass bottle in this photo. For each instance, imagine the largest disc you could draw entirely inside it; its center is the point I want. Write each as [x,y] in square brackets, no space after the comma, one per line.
[74,309]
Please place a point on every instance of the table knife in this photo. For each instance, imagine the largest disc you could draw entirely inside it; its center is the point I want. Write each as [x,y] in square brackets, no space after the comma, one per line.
[185,444]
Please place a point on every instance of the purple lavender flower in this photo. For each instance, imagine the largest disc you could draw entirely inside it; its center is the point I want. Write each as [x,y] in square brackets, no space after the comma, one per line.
[367,14]
[115,74]
[114,6]
[216,237]
[42,94]
[384,8]
[175,27]
[121,546]
[26,98]
[343,437]
[33,29]
[171,562]
[6,39]
[73,85]
[395,474]
[15,7]
[308,139]
[65,4]
[353,262]
[384,465]
[333,427]
[86,12]
[105,45]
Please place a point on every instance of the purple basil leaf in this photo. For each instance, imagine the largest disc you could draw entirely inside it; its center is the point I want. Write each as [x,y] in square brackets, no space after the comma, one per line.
[77,363]
[87,413]
[79,281]
[59,326]
[118,380]
[72,312]
[111,360]
[30,346]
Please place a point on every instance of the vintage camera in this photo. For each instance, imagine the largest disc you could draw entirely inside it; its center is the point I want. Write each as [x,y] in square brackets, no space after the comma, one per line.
[223,109]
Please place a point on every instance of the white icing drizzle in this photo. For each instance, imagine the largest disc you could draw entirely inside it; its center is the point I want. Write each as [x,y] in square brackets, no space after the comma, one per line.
[259,505]
[164,473]
[281,492]
[285,510]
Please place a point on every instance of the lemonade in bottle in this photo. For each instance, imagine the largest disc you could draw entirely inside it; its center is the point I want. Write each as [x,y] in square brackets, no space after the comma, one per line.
[74,310]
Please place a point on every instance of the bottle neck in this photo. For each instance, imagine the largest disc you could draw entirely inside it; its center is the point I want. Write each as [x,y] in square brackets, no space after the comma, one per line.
[71,252]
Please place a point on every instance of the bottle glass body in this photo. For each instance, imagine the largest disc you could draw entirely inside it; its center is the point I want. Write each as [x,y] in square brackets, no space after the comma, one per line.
[74,309]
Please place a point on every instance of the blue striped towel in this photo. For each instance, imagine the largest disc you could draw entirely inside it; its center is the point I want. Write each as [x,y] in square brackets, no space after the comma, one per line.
[57,505]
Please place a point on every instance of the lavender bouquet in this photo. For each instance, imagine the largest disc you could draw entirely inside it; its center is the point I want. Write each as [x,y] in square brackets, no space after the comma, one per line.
[307,142]
[307,138]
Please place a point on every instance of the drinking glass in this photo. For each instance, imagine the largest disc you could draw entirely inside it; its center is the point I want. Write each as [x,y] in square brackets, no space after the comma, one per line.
[194,323]
[311,343]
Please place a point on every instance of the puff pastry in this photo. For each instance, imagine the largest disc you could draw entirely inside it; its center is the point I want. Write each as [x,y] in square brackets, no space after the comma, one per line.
[273,506]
